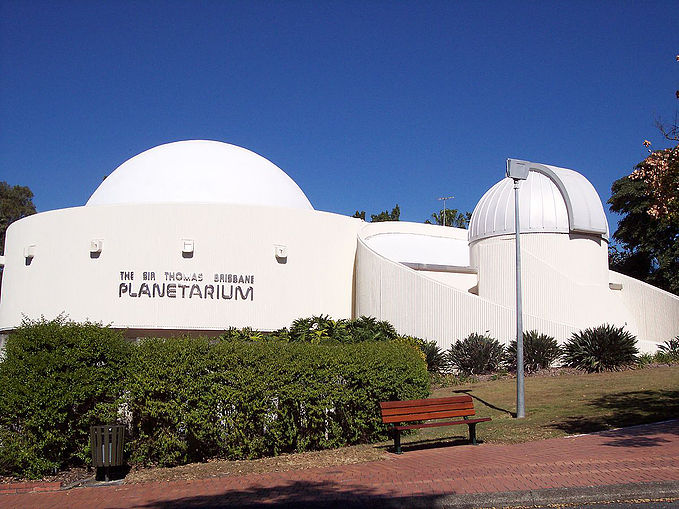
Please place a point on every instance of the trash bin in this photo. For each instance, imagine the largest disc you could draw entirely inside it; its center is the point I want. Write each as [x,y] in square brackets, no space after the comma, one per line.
[107,446]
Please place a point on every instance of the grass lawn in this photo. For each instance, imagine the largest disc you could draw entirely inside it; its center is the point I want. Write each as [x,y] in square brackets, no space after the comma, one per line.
[563,404]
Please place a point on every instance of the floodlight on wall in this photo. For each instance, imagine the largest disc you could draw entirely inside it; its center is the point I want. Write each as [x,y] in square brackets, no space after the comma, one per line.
[96,246]
[187,248]
[281,253]
[29,252]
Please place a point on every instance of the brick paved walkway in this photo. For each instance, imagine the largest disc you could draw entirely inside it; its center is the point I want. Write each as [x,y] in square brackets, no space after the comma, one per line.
[640,454]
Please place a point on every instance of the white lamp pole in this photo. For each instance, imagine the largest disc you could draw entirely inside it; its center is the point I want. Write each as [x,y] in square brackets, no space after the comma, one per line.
[444,207]
[518,171]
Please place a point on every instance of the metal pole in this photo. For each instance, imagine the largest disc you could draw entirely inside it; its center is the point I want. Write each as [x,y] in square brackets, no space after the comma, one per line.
[520,404]
[443,219]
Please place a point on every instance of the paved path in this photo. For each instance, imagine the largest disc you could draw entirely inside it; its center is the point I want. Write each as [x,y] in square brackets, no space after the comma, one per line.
[426,477]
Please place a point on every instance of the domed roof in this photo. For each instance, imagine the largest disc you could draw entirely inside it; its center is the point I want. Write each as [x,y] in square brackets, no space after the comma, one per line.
[199,171]
[551,200]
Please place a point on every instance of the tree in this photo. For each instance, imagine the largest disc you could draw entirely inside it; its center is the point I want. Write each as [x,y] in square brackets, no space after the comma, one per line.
[394,215]
[648,233]
[16,202]
[453,218]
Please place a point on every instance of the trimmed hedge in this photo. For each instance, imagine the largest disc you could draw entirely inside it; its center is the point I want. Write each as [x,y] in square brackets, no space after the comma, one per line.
[190,400]
[57,379]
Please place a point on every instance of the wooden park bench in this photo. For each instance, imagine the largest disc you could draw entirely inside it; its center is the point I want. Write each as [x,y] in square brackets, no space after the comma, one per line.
[416,410]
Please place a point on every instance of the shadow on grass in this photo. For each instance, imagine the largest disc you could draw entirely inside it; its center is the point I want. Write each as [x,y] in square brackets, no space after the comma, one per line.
[486,403]
[628,409]
[304,494]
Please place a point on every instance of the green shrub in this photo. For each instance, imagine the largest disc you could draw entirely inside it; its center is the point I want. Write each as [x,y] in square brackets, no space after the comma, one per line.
[603,348]
[539,352]
[367,328]
[476,354]
[645,360]
[435,357]
[57,379]
[191,400]
[322,329]
[318,329]
[244,334]
[668,352]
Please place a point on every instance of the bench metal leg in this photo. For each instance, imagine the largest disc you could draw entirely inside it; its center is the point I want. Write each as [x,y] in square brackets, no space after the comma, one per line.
[472,433]
[397,441]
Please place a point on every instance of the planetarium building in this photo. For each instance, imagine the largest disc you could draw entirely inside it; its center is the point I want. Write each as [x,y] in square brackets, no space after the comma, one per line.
[200,236]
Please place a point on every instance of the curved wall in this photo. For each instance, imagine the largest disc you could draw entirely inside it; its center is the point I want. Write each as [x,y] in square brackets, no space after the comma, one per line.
[143,244]
[419,305]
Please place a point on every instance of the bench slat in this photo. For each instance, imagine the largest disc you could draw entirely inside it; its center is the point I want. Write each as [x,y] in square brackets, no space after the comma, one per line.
[449,423]
[424,416]
[421,402]
[465,405]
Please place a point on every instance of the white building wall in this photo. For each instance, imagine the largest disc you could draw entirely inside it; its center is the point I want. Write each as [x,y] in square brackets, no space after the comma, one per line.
[565,289]
[63,277]
[421,306]
[654,311]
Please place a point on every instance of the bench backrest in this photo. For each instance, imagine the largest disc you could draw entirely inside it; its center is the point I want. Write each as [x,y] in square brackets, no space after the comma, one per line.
[425,409]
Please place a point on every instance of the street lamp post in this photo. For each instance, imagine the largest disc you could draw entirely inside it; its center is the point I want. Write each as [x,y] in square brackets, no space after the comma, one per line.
[518,171]
[444,198]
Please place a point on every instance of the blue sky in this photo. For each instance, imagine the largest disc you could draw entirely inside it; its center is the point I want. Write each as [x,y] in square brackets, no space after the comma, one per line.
[365,104]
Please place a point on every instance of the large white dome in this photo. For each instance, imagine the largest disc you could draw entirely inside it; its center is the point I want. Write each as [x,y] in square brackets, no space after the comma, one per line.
[200,171]
[551,200]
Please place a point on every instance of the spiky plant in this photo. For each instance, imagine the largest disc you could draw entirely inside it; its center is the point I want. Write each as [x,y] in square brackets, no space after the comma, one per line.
[539,351]
[368,328]
[669,350]
[435,357]
[476,354]
[602,348]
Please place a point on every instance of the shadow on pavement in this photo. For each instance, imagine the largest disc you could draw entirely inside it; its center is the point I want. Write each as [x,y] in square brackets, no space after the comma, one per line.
[298,494]
[629,409]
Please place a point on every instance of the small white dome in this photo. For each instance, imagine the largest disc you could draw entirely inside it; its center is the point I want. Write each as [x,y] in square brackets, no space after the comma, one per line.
[200,171]
[551,200]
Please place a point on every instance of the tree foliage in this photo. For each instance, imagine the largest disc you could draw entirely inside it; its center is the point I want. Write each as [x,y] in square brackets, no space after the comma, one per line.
[394,215]
[16,202]
[453,217]
[648,233]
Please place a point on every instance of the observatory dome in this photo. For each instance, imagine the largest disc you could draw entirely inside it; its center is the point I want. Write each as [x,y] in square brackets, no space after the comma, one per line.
[199,171]
[551,200]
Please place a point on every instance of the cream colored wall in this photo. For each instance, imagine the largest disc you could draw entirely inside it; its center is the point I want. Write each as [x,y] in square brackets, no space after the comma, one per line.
[654,312]
[421,306]
[316,278]
[565,289]
[564,277]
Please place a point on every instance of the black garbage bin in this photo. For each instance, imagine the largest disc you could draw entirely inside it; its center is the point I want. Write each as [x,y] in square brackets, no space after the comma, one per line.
[107,447]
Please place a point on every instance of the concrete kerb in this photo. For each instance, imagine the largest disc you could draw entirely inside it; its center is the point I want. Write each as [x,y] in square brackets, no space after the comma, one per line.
[575,496]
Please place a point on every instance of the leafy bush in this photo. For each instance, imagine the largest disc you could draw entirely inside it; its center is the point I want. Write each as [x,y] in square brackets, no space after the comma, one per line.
[539,351]
[191,400]
[668,351]
[367,328]
[645,360]
[476,354]
[244,334]
[57,379]
[603,348]
[435,357]
[320,329]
